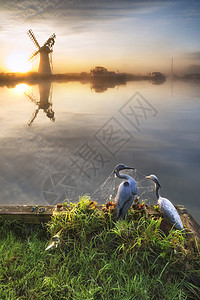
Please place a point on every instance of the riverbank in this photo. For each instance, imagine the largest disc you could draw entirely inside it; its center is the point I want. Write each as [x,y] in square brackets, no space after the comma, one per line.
[97,257]
[12,79]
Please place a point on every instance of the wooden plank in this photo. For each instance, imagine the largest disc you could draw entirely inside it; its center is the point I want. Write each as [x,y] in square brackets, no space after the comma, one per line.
[188,221]
[38,214]
[26,213]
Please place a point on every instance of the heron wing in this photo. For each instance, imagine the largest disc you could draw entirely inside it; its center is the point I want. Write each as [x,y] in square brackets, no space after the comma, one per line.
[124,199]
[170,213]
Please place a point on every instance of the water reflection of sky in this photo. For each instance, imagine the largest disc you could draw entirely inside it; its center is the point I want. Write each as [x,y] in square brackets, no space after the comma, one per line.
[164,140]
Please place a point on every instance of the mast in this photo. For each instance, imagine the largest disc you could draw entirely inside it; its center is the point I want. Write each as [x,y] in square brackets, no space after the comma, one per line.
[172,76]
[172,67]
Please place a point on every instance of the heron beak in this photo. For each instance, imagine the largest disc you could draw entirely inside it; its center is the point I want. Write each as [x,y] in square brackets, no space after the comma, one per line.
[130,168]
[148,177]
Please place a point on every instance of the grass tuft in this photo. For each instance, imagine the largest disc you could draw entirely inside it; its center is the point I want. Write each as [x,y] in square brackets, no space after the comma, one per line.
[98,258]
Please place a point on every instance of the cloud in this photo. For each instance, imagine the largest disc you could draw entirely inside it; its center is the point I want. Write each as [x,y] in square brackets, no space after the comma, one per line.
[49,10]
[72,16]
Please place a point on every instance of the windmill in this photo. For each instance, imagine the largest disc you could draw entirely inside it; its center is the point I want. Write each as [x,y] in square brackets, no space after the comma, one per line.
[44,52]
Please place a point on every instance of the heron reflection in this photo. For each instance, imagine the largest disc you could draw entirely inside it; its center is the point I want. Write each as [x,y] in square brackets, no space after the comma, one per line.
[44,103]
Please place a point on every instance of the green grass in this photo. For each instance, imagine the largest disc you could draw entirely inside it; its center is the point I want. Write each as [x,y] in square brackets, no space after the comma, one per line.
[98,258]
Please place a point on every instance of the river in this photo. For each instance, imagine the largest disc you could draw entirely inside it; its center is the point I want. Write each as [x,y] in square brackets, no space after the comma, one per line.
[60,140]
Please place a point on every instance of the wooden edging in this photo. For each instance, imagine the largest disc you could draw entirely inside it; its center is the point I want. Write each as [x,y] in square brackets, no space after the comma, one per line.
[42,214]
[27,213]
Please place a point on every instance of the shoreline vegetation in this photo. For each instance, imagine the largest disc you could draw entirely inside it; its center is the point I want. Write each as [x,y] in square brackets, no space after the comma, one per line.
[99,257]
[12,79]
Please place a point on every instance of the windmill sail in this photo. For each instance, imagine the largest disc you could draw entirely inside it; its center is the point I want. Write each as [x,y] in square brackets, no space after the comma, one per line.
[33,38]
[34,55]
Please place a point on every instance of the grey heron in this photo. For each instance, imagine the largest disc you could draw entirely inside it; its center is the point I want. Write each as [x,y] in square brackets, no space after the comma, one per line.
[166,208]
[126,191]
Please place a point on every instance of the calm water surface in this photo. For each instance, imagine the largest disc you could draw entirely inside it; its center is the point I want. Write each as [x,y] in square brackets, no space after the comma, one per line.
[62,140]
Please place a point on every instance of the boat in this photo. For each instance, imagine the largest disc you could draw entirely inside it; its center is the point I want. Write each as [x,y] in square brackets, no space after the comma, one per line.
[102,73]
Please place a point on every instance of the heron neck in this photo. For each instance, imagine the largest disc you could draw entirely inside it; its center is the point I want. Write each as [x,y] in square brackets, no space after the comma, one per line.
[122,176]
[156,189]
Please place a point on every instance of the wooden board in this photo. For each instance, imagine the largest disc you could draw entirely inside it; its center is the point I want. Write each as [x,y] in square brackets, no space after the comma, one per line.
[26,213]
[42,214]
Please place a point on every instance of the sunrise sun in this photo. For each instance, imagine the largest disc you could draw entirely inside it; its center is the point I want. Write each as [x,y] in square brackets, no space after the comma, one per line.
[17,62]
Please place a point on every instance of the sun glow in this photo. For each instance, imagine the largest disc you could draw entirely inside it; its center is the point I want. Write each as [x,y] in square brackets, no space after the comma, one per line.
[22,87]
[17,62]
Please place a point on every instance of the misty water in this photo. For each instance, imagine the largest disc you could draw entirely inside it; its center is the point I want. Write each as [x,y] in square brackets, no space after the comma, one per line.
[60,140]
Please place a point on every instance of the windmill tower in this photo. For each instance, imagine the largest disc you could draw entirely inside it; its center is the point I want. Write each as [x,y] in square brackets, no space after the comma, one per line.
[44,52]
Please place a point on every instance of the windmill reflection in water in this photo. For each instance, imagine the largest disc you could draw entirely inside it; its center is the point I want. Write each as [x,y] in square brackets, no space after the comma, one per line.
[44,103]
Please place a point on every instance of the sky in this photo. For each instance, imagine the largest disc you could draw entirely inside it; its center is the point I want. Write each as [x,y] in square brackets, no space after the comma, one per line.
[136,36]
